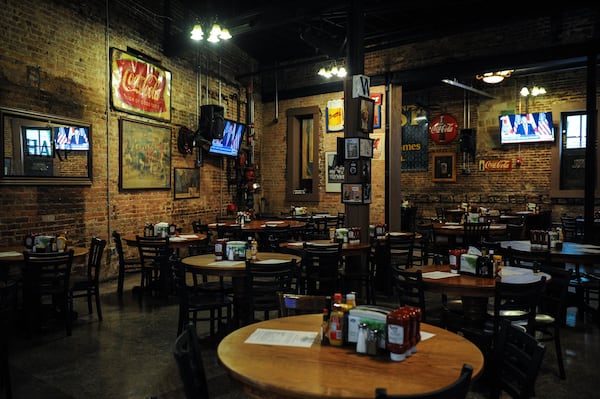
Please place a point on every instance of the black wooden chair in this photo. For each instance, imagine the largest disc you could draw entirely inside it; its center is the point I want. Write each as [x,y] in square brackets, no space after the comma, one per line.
[154,257]
[401,248]
[275,234]
[457,390]
[295,304]
[47,274]
[552,312]
[516,362]
[475,233]
[88,284]
[264,282]
[194,301]
[410,290]
[188,357]
[126,264]
[322,266]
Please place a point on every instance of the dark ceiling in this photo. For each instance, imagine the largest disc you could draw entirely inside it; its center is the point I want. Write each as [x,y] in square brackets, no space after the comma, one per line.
[284,33]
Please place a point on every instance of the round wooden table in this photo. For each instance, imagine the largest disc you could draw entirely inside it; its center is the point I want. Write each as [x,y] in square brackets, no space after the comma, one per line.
[16,253]
[236,270]
[257,226]
[180,241]
[324,371]
[473,290]
[571,252]
[348,249]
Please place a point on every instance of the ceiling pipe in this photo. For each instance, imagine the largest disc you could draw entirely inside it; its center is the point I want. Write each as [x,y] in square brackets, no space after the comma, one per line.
[455,83]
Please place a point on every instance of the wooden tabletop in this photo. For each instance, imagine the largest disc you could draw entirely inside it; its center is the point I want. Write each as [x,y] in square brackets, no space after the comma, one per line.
[571,252]
[457,229]
[17,258]
[331,371]
[208,265]
[182,240]
[348,249]
[256,226]
[461,284]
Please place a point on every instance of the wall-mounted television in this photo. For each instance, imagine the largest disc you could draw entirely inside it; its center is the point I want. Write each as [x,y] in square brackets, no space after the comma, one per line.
[534,127]
[229,144]
[72,138]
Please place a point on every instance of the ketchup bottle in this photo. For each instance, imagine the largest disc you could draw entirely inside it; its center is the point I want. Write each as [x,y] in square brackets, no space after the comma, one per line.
[398,325]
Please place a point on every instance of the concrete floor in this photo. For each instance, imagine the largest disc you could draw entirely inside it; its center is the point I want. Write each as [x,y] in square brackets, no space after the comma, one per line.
[128,355]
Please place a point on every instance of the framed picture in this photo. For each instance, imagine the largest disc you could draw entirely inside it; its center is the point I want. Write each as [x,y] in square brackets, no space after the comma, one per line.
[334,116]
[365,170]
[335,173]
[144,155]
[366,148]
[365,115]
[443,167]
[139,87]
[352,193]
[367,193]
[187,183]
[378,98]
[352,148]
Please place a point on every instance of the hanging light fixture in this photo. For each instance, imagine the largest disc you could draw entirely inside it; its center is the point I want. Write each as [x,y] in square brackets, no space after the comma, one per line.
[535,91]
[216,33]
[197,34]
[334,70]
[495,77]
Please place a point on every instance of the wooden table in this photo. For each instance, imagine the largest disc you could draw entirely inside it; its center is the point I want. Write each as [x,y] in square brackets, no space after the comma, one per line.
[348,249]
[16,257]
[474,291]
[180,241]
[571,252]
[453,230]
[339,372]
[257,226]
[236,270]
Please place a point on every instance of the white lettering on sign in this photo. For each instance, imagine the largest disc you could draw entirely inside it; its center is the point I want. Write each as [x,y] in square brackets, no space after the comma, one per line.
[361,86]
[495,164]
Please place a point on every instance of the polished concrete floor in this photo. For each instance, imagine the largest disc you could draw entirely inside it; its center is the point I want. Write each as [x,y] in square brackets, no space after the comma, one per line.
[129,355]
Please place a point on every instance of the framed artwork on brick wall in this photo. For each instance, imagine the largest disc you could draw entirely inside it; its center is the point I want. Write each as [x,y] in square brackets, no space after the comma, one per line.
[144,155]
[443,167]
[187,183]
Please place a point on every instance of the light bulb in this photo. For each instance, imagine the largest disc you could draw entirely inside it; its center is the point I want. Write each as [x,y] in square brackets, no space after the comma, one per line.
[197,33]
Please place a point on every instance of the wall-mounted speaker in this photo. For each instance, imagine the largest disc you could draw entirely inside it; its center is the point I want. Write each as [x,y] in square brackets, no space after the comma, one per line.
[468,141]
[211,122]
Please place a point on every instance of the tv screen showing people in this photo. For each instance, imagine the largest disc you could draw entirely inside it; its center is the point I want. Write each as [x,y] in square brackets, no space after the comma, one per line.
[229,144]
[526,128]
[72,138]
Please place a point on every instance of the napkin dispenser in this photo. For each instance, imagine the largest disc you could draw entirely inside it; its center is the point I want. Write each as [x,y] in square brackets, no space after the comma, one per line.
[468,264]
[373,316]
[161,229]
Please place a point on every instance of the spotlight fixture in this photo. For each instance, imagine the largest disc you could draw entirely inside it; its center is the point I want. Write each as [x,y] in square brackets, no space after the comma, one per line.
[535,91]
[332,71]
[495,77]
[216,33]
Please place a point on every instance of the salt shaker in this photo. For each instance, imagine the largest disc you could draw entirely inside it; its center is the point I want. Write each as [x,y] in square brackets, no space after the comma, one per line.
[361,341]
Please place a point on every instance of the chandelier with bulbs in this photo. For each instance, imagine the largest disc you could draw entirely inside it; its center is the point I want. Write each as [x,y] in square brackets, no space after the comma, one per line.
[216,34]
[332,71]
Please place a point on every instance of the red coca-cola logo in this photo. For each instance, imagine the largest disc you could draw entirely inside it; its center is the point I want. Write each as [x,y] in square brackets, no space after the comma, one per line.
[443,129]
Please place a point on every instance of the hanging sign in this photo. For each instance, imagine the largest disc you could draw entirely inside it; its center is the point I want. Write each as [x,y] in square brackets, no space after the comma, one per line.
[443,129]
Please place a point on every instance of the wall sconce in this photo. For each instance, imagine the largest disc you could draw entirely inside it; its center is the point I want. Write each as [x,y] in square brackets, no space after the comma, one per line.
[535,91]
[216,33]
[332,71]
[495,77]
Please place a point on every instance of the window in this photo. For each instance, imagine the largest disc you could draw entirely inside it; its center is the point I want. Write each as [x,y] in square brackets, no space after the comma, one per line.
[572,157]
[303,127]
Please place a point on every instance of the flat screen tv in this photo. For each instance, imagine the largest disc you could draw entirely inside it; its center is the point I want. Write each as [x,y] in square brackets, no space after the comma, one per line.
[229,144]
[72,138]
[534,127]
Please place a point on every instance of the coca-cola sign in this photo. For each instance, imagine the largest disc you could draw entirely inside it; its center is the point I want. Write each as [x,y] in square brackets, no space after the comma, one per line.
[443,129]
[489,165]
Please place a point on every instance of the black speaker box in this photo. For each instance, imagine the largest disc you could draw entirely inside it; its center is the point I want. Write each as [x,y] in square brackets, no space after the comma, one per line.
[467,141]
[211,121]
